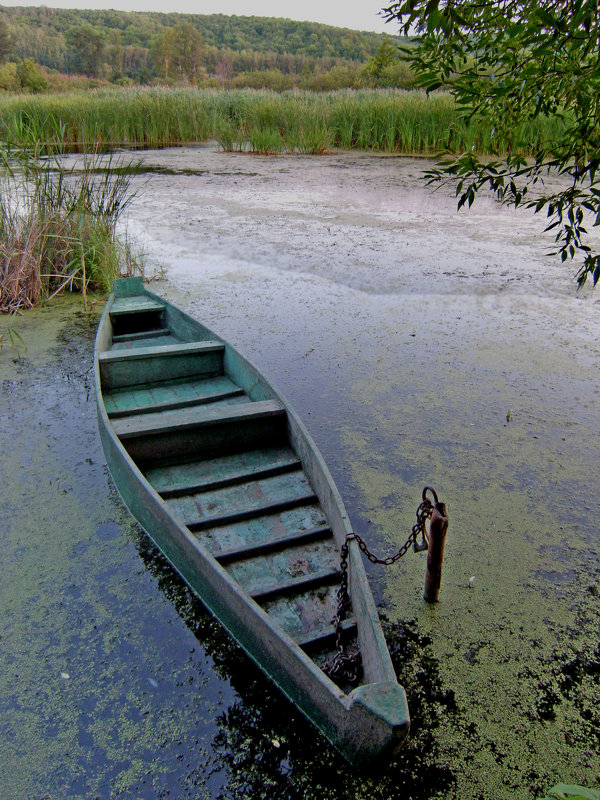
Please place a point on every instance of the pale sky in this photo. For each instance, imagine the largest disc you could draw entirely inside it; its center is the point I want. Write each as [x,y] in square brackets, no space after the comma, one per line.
[358,14]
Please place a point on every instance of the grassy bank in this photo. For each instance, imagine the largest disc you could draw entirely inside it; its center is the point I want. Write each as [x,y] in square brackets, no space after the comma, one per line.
[57,226]
[390,121]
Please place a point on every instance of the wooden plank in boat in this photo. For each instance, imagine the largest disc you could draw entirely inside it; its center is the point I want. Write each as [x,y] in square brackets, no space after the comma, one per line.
[141,365]
[130,287]
[145,342]
[204,509]
[308,617]
[169,395]
[158,333]
[294,585]
[196,417]
[305,613]
[222,435]
[272,546]
[137,304]
[287,570]
[184,478]
[159,352]
[260,530]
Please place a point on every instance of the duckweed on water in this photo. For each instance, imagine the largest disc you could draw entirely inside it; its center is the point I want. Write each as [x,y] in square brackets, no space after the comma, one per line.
[518,644]
[73,602]
[502,676]
[158,699]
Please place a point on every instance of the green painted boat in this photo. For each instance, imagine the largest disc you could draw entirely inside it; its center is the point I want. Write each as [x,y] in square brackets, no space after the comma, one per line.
[227,482]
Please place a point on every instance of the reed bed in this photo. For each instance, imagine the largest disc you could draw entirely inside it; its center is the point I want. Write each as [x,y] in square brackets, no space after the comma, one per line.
[392,121]
[58,226]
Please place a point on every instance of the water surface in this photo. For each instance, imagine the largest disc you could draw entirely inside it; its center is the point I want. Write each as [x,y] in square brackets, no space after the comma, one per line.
[420,346]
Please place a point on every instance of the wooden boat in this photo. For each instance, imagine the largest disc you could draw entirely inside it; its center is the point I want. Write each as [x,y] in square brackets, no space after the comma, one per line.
[229,485]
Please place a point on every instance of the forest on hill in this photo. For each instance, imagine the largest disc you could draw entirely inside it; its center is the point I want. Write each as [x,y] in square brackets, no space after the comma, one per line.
[206,50]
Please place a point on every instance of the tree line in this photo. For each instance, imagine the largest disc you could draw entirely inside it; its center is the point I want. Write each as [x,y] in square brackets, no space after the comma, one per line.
[213,49]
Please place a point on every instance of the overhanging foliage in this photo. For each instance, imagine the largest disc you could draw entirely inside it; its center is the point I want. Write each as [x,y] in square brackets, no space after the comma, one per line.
[509,62]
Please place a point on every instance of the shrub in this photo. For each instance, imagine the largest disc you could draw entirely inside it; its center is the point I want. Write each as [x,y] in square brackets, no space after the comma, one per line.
[31,77]
[9,78]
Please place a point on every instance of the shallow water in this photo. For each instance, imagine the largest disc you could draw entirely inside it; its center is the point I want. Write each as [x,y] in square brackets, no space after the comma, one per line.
[420,346]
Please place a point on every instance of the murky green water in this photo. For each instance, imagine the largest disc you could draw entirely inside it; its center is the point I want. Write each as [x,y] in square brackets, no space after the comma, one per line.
[115,683]
[104,692]
[404,335]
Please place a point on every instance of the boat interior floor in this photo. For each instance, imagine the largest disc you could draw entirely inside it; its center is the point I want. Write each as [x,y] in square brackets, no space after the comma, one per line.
[224,465]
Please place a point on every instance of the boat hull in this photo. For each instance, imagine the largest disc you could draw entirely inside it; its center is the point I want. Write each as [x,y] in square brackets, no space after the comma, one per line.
[366,724]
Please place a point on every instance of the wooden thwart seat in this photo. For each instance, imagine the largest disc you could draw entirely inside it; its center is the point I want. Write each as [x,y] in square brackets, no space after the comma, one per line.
[169,395]
[185,477]
[163,353]
[196,417]
[133,337]
[201,431]
[136,314]
[136,304]
[230,480]
[296,585]
[143,365]
[232,517]
[264,531]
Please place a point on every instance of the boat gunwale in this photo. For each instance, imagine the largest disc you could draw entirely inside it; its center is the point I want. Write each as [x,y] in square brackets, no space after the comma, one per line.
[189,545]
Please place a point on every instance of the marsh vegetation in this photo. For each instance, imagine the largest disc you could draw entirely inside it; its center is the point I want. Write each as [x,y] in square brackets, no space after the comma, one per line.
[57,223]
[392,121]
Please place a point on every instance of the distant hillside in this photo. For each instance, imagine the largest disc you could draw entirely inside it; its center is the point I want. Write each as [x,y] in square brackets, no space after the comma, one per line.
[124,41]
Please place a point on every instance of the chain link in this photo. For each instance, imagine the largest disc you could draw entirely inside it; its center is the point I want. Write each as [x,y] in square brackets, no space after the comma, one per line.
[346,664]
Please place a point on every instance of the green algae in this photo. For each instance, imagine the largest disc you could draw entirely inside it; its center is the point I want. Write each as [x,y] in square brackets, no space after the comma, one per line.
[81,716]
[114,681]
[500,675]
[521,565]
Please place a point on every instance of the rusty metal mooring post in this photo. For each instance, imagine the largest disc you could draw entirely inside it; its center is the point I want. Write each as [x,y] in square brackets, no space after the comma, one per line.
[438,525]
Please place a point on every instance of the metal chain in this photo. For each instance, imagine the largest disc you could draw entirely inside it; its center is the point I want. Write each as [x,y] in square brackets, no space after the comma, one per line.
[347,664]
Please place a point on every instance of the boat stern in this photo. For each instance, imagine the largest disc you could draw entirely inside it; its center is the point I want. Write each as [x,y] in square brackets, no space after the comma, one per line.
[377,723]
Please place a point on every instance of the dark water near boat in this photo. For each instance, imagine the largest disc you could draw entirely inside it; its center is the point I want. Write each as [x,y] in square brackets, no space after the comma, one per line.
[419,346]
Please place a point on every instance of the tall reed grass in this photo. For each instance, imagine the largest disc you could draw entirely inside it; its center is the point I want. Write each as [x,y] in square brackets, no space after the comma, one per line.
[57,223]
[392,121]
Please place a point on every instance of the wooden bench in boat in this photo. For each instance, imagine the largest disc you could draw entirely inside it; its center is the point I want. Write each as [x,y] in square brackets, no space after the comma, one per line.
[137,304]
[182,419]
[131,314]
[155,437]
[144,365]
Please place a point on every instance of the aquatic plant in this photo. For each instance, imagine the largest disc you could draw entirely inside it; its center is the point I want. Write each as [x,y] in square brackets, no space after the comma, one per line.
[13,337]
[387,120]
[57,222]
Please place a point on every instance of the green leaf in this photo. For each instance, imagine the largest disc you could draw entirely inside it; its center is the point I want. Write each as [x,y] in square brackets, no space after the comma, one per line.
[563,791]
[508,64]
